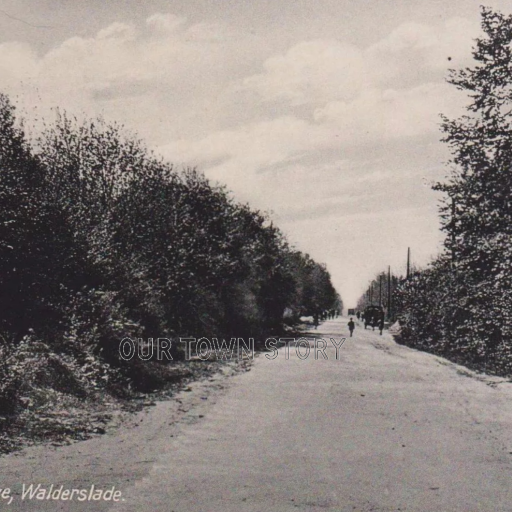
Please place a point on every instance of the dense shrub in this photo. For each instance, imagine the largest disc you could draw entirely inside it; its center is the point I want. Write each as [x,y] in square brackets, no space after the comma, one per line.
[461,305]
[101,240]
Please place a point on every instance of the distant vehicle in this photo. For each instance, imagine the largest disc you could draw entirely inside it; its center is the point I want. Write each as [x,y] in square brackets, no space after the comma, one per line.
[351,312]
[373,316]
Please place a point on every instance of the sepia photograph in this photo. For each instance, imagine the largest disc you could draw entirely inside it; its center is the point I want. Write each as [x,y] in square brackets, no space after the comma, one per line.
[255,256]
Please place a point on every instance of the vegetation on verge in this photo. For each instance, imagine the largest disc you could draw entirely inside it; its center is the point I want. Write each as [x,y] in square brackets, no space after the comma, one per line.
[461,305]
[101,240]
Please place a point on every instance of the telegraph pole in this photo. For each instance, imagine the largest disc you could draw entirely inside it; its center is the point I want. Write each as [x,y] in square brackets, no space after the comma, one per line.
[408,262]
[380,289]
[389,292]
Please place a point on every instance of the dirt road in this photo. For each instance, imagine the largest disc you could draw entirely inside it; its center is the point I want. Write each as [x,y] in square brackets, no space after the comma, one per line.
[383,428]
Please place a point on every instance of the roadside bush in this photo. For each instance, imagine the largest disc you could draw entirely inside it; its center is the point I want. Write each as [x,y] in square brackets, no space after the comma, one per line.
[102,240]
[460,306]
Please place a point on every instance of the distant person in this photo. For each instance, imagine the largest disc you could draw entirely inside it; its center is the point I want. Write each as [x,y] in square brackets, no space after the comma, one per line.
[315,320]
[351,326]
[358,315]
[381,324]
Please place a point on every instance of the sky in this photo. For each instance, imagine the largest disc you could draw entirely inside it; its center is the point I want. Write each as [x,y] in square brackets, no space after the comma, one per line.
[324,113]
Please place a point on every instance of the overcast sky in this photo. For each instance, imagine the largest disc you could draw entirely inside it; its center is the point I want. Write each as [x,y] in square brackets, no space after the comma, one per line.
[325,112]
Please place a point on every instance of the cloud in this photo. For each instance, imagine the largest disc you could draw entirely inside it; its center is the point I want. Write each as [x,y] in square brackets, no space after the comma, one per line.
[376,117]
[160,77]
[414,53]
[333,137]
[167,23]
[18,62]
[254,159]
[117,31]
[391,113]
[182,82]
[340,104]
[310,72]
[313,71]
[259,144]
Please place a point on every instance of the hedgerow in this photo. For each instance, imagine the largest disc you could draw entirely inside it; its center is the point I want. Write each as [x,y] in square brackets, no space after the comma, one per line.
[461,306]
[100,239]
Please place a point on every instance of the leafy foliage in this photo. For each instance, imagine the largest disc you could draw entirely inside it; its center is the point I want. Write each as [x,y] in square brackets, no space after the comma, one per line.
[101,240]
[462,305]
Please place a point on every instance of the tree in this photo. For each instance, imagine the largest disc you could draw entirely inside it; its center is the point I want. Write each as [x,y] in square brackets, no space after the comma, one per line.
[33,239]
[477,215]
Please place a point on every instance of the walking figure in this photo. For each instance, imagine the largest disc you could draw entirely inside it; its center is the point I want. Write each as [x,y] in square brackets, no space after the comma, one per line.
[351,326]
[315,320]
[381,323]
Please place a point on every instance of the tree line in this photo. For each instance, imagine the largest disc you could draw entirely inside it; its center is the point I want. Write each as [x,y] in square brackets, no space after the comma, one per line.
[461,305]
[100,239]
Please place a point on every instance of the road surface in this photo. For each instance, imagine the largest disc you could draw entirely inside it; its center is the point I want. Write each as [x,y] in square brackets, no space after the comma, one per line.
[381,428]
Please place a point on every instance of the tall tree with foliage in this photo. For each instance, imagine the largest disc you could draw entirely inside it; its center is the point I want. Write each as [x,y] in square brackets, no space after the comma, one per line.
[477,214]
